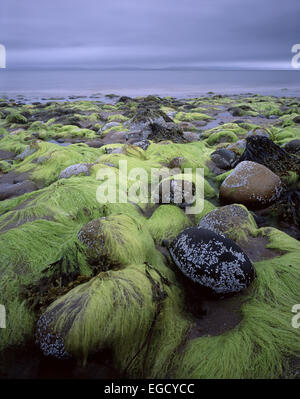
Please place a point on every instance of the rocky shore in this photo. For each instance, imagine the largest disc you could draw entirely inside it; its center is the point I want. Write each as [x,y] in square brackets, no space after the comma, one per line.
[147,290]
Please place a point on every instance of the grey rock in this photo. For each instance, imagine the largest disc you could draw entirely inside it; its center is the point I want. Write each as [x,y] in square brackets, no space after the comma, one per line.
[75,170]
[223,158]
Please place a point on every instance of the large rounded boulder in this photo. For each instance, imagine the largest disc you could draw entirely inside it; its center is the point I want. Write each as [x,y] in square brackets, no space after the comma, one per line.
[251,184]
[211,260]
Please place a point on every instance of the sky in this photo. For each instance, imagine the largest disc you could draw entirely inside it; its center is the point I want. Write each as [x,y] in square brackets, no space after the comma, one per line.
[149,33]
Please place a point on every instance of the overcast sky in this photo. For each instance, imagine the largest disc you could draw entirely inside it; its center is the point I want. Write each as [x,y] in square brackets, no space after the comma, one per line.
[149,33]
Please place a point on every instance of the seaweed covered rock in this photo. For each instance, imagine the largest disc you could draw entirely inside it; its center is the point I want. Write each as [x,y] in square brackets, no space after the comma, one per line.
[16,117]
[252,185]
[170,131]
[264,151]
[230,220]
[288,208]
[145,116]
[153,124]
[133,312]
[211,260]
[115,241]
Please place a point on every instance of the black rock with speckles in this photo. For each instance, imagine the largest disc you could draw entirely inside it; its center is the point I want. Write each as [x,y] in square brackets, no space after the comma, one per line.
[212,260]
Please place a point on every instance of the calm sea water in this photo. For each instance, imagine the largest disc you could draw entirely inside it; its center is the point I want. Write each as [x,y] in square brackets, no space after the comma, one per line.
[36,83]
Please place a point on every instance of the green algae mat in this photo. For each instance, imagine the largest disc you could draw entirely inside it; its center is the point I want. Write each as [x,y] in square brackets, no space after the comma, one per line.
[79,276]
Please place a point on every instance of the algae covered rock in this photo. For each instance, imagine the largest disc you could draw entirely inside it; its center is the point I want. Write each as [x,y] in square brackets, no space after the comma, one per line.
[115,241]
[16,117]
[125,311]
[230,220]
[251,184]
[211,260]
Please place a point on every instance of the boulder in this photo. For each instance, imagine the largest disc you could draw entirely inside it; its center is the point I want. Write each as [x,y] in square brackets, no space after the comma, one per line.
[251,184]
[212,261]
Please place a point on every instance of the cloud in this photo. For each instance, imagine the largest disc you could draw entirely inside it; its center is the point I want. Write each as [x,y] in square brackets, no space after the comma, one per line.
[147,33]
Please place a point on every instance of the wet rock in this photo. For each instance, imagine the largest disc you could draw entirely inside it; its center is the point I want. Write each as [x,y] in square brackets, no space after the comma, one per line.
[212,261]
[109,125]
[292,146]
[8,190]
[186,126]
[5,155]
[115,137]
[94,143]
[251,184]
[176,163]
[125,99]
[28,151]
[223,158]
[143,144]
[237,146]
[257,132]
[113,150]
[191,136]
[75,170]
[297,119]
[239,111]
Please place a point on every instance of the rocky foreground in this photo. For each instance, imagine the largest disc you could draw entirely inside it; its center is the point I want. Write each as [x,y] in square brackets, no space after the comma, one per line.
[141,289]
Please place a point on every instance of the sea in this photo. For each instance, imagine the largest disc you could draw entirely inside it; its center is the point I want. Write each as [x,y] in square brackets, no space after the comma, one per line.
[36,84]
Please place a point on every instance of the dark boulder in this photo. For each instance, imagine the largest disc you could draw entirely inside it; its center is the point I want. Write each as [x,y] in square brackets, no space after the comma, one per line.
[212,261]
